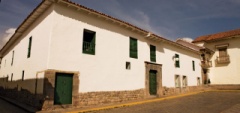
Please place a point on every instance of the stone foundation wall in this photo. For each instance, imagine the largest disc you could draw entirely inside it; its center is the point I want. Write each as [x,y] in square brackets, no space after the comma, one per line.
[108,97]
[225,87]
[23,96]
[181,90]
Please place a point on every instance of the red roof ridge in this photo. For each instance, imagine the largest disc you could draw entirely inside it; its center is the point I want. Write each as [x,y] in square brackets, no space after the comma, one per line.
[217,36]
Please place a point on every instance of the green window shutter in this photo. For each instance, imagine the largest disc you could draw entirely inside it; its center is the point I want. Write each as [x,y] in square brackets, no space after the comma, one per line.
[12,58]
[177,61]
[22,75]
[152,53]
[133,48]
[29,47]
[93,44]
[193,65]
[89,39]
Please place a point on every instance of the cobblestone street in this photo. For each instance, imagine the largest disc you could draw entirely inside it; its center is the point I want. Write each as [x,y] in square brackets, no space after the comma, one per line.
[6,107]
[208,102]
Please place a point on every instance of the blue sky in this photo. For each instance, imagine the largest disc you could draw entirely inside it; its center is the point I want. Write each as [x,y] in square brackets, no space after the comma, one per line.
[170,19]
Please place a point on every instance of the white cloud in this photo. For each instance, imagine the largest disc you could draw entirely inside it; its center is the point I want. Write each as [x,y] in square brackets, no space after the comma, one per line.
[8,33]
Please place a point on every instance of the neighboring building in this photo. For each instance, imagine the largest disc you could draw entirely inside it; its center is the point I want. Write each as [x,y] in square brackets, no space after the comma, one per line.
[64,53]
[206,53]
[222,65]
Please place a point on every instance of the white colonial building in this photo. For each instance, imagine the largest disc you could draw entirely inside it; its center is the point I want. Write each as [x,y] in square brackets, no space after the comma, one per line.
[65,53]
[223,64]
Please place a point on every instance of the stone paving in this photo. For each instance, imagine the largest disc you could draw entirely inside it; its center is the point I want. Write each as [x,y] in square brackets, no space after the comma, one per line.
[207,102]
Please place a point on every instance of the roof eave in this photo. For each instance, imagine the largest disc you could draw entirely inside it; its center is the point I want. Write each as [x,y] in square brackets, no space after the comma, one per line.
[26,23]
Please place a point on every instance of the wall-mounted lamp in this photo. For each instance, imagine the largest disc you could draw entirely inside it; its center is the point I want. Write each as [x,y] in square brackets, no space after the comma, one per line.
[176,59]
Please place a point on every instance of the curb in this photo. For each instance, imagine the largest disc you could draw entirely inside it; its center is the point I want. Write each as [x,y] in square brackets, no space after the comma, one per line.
[136,103]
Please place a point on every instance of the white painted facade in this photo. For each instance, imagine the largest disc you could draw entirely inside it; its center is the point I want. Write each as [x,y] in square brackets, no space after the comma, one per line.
[227,73]
[57,38]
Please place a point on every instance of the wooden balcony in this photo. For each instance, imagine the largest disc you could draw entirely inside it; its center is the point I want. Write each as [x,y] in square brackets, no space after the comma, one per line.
[206,64]
[223,59]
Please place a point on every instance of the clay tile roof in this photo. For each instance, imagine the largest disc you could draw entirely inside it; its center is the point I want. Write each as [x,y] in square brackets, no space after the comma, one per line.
[217,36]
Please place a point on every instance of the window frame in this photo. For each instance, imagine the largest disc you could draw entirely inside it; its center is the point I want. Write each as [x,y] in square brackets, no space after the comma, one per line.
[12,58]
[177,81]
[198,81]
[29,47]
[23,75]
[133,48]
[89,45]
[177,61]
[12,77]
[152,53]
[222,52]
[193,65]
[128,65]
[184,81]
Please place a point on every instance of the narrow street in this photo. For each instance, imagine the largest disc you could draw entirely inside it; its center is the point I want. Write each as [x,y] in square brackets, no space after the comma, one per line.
[209,102]
[6,107]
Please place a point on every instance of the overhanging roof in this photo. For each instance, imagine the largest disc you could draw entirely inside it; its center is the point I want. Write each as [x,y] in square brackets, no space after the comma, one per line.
[46,3]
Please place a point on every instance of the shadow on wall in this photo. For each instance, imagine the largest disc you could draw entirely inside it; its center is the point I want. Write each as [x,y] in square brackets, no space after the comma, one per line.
[19,91]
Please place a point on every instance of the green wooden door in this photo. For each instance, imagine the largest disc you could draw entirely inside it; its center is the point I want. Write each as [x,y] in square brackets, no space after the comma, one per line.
[63,88]
[152,82]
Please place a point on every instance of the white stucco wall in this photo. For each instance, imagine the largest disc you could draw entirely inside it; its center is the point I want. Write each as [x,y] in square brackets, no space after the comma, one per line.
[105,71]
[57,38]
[225,73]
[40,31]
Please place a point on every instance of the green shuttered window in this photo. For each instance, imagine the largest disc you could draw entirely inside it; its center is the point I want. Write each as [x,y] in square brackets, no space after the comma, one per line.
[89,38]
[152,53]
[177,61]
[12,58]
[29,47]
[22,75]
[193,65]
[133,48]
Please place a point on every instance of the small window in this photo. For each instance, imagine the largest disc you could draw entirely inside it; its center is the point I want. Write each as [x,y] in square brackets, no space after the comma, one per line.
[11,77]
[128,65]
[152,53]
[198,81]
[193,65]
[7,78]
[12,58]
[89,38]
[29,47]
[22,75]
[177,61]
[133,48]
[184,81]
[177,81]
[222,52]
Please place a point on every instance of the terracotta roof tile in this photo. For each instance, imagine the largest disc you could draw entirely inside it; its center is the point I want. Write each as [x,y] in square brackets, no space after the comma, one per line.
[217,36]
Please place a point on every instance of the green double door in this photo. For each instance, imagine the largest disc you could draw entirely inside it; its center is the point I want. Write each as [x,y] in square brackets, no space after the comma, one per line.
[63,89]
[153,82]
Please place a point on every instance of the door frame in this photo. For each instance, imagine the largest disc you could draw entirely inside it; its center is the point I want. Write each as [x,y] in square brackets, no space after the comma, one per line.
[49,88]
[158,68]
